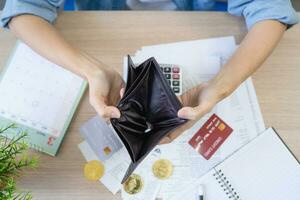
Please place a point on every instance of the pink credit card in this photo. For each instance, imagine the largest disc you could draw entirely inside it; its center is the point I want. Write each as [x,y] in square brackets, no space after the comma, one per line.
[210,136]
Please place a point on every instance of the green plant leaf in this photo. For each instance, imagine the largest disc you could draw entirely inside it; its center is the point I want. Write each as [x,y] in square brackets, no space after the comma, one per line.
[14,158]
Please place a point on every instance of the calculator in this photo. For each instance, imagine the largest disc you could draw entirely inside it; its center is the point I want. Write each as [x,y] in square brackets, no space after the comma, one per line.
[173,74]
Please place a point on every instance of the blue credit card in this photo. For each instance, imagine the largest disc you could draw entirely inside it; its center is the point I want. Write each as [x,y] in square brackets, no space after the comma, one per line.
[101,137]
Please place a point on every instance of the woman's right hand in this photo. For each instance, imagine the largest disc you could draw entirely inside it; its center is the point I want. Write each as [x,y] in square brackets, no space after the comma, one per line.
[105,89]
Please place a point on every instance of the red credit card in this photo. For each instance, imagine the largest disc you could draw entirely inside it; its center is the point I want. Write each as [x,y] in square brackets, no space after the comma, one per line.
[210,136]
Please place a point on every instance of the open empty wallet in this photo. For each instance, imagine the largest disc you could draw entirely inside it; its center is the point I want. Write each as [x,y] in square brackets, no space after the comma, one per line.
[148,111]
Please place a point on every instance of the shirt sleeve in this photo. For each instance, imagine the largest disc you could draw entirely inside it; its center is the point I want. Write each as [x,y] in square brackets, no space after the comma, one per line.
[46,9]
[258,10]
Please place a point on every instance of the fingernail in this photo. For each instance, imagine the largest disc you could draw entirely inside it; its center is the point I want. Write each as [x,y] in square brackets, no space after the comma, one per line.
[187,113]
[115,115]
[183,113]
[122,91]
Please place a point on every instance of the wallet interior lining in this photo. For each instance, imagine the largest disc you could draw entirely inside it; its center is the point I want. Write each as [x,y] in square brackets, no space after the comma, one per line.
[142,108]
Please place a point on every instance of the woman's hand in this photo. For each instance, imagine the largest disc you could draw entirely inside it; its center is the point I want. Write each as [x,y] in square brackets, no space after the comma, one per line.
[104,83]
[197,102]
[258,44]
[105,88]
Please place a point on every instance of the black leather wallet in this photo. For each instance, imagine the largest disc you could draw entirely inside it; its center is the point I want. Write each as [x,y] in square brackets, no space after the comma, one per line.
[148,111]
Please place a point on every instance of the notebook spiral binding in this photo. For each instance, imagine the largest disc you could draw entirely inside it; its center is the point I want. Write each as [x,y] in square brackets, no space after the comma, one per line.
[226,185]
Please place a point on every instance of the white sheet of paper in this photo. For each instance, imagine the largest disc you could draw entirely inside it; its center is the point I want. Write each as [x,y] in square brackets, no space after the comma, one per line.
[247,121]
[201,60]
[219,46]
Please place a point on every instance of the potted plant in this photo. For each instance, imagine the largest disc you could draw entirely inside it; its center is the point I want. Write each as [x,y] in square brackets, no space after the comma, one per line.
[13,158]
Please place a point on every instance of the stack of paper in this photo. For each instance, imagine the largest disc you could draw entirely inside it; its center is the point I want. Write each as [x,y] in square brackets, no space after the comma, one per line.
[200,61]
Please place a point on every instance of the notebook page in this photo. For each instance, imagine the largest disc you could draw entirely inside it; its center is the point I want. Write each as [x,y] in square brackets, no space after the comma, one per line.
[211,187]
[263,169]
[37,93]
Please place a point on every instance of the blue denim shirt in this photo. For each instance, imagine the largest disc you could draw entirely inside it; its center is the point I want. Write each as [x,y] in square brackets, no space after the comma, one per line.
[252,10]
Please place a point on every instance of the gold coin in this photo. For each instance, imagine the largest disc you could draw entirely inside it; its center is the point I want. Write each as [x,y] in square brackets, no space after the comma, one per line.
[162,169]
[93,170]
[133,184]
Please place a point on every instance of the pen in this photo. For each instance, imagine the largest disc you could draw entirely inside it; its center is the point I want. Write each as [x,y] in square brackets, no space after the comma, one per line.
[201,192]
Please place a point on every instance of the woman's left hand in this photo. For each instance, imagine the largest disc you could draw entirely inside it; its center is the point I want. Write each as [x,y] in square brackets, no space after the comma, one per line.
[196,102]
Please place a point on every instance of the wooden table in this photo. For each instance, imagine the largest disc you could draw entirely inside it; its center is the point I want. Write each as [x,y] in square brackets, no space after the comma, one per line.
[110,35]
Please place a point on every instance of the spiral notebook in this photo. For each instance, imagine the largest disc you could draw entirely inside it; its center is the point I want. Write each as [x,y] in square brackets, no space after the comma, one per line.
[40,97]
[264,169]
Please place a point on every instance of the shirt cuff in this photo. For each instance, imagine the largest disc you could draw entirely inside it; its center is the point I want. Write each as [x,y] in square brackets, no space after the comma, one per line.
[39,8]
[264,10]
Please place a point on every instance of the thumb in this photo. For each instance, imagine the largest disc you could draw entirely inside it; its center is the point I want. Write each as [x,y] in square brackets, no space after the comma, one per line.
[104,110]
[122,91]
[192,113]
[165,140]
[111,112]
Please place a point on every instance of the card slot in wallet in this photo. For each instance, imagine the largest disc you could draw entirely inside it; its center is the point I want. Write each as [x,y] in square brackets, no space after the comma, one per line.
[148,111]
[134,73]
[127,139]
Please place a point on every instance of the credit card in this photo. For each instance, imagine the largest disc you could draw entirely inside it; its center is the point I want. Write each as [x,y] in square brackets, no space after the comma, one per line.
[101,137]
[210,136]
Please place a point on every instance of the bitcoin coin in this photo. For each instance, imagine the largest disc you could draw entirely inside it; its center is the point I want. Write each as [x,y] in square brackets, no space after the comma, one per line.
[93,170]
[133,184]
[162,169]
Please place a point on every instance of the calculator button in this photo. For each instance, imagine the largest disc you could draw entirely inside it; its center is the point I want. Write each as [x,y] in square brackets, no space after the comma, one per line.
[176,76]
[176,89]
[167,69]
[175,83]
[176,69]
[169,82]
[168,76]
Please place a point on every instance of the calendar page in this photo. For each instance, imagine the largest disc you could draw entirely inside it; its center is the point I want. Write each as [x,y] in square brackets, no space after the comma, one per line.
[37,93]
